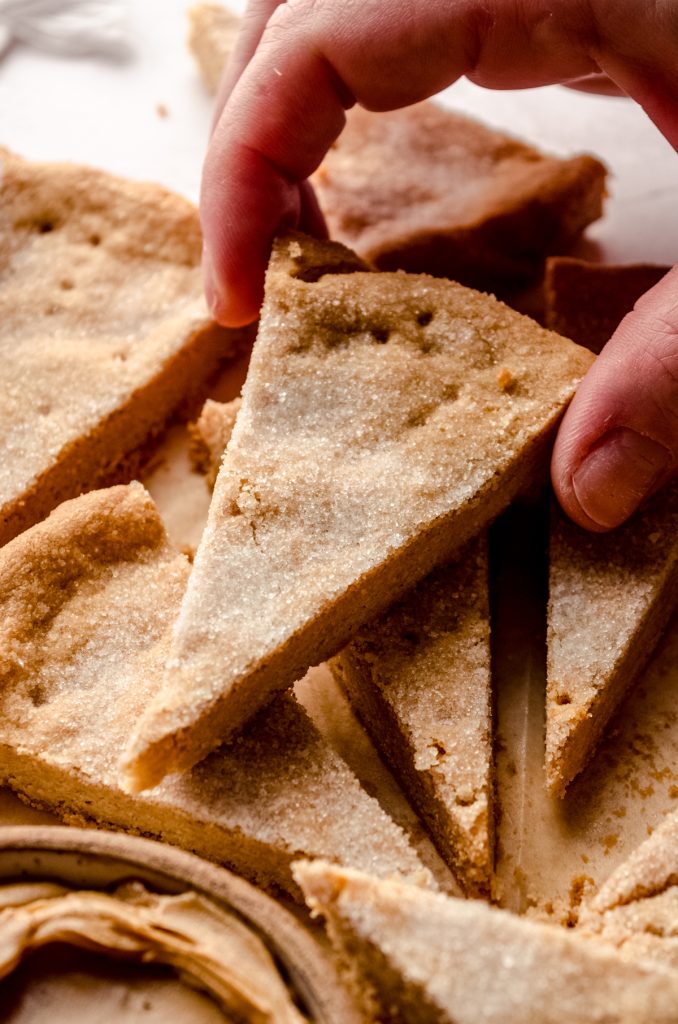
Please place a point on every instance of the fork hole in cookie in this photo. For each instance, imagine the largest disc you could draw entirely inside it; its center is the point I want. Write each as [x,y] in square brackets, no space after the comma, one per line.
[424,318]
[380,335]
[37,695]
[563,698]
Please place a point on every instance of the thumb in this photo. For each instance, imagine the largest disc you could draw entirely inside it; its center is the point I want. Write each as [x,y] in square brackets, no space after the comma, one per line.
[618,441]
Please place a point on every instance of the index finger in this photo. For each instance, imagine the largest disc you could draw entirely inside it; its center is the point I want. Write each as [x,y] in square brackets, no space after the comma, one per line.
[315,59]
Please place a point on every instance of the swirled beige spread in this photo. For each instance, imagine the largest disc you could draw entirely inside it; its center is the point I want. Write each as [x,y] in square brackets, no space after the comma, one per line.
[210,948]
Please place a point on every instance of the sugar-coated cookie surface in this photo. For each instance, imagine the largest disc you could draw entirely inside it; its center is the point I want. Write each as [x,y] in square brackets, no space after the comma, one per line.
[426,957]
[87,600]
[419,679]
[386,418]
[610,597]
[104,330]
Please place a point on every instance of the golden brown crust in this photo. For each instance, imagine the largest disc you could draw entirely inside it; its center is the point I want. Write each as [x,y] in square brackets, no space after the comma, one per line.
[373,441]
[87,600]
[103,330]
[419,679]
[428,190]
[586,301]
[636,909]
[610,597]
[427,957]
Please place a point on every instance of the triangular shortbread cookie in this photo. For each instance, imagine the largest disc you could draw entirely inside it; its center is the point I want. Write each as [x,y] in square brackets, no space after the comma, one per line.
[637,907]
[103,328]
[610,596]
[587,301]
[427,189]
[425,957]
[385,419]
[419,679]
[87,599]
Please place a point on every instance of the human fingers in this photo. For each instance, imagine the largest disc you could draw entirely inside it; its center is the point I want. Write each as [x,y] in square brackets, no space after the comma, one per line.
[288,107]
[252,26]
[619,439]
[316,57]
[597,83]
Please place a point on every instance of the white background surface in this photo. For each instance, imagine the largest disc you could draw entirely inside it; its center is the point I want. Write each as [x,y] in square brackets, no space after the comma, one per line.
[105,113]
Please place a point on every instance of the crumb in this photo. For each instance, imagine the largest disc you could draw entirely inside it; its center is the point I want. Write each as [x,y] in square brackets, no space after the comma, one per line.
[505,379]
[161,110]
[188,550]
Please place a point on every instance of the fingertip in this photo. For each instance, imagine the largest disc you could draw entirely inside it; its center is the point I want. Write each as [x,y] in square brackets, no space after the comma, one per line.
[229,306]
[562,482]
[602,489]
[311,218]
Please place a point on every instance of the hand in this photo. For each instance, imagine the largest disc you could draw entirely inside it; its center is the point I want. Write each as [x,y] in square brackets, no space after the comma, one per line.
[299,65]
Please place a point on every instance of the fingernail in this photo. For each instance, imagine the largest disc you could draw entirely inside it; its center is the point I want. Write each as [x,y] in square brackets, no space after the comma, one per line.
[621,470]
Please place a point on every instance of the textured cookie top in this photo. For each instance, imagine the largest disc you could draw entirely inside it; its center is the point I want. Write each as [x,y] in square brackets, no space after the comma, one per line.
[603,589]
[462,961]
[375,405]
[429,658]
[87,599]
[393,178]
[601,586]
[99,288]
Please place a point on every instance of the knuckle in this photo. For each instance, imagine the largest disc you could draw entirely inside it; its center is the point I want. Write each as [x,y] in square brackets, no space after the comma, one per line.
[659,367]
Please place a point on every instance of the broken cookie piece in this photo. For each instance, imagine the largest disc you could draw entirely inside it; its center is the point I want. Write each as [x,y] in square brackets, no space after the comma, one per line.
[636,909]
[210,434]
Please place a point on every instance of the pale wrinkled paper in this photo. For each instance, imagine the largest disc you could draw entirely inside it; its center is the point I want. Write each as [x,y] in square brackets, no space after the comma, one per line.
[68,27]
